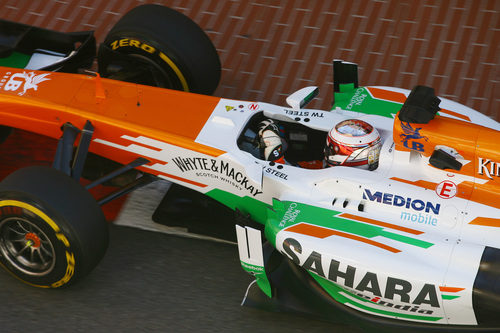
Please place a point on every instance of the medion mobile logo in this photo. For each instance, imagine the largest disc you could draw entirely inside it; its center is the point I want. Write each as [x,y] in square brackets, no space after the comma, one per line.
[399,201]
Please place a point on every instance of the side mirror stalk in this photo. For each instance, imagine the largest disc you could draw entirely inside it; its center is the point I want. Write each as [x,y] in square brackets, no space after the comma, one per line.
[302,97]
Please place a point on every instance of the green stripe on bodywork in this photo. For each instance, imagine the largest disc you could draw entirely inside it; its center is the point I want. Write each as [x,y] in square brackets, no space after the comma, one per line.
[360,100]
[247,205]
[16,60]
[273,218]
[346,87]
[449,297]
[336,291]
[277,220]
[406,239]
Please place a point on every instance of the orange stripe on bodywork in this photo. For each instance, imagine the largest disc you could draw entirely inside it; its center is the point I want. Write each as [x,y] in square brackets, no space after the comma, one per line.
[420,183]
[380,223]
[464,189]
[486,221]
[167,175]
[455,114]
[185,180]
[486,194]
[387,95]
[401,98]
[320,232]
[450,289]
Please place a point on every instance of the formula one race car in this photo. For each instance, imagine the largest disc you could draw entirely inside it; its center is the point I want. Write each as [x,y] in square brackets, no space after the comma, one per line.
[399,224]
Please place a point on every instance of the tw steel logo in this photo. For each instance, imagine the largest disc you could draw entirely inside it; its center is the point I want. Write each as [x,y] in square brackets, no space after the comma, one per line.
[488,168]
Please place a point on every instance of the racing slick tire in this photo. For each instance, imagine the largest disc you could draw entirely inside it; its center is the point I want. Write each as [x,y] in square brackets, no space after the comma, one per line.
[158,46]
[52,231]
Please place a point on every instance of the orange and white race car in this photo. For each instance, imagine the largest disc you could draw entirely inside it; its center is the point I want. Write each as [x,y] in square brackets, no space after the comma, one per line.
[387,205]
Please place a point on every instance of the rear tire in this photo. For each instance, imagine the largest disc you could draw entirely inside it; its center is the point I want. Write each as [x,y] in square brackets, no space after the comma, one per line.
[158,46]
[52,232]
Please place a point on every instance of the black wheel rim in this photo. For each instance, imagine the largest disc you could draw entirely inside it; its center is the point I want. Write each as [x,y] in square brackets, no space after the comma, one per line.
[142,70]
[25,247]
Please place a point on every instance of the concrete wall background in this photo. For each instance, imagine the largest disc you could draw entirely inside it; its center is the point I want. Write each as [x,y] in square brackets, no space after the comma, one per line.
[269,48]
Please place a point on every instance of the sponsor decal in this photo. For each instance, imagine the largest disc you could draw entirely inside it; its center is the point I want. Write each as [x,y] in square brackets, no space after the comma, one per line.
[290,215]
[252,269]
[253,107]
[126,42]
[357,98]
[216,169]
[386,291]
[488,168]
[404,307]
[399,201]
[276,173]
[411,134]
[419,218]
[446,189]
[22,80]
[299,113]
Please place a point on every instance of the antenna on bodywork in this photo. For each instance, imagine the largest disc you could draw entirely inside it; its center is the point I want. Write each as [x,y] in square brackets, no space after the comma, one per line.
[100,94]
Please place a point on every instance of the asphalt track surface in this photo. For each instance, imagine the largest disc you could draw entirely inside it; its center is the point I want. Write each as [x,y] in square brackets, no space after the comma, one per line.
[151,282]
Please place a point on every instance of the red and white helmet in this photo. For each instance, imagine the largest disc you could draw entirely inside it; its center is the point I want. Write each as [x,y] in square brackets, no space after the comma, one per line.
[353,142]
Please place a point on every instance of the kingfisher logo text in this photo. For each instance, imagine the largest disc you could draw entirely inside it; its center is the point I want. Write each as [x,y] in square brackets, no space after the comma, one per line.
[399,201]
[488,168]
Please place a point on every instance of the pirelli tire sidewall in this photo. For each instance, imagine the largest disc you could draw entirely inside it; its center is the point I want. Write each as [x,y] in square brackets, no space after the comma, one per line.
[141,46]
[65,213]
[171,40]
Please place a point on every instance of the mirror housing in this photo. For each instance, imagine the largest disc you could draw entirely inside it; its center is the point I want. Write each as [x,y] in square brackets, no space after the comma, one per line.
[302,97]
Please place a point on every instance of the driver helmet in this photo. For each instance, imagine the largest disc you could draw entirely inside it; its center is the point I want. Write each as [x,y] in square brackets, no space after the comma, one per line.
[353,142]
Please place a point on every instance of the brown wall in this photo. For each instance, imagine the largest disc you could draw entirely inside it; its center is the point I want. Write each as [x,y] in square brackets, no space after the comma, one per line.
[271,48]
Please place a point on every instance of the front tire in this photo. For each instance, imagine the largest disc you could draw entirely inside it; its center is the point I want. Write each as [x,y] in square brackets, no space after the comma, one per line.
[158,46]
[52,232]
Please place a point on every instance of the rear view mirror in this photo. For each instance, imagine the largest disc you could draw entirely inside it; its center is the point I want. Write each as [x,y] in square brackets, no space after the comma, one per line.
[302,97]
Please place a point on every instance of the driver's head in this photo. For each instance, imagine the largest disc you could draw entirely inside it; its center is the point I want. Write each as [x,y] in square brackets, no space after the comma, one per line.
[353,142]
